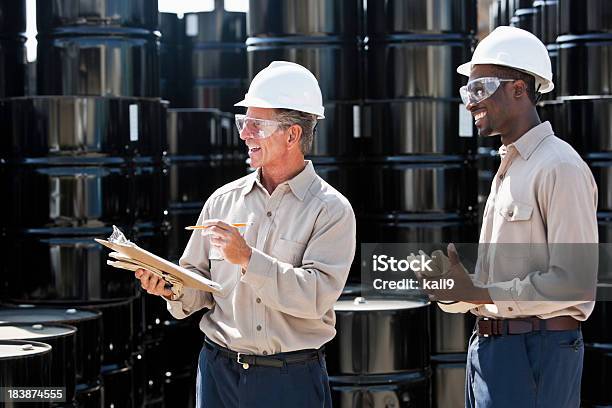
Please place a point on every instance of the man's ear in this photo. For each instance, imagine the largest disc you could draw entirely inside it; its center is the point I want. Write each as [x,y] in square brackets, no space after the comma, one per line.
[519,88]
[295,134]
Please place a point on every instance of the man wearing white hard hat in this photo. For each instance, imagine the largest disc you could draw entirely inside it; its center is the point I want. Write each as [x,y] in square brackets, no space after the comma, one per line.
[282,273]
[537,269]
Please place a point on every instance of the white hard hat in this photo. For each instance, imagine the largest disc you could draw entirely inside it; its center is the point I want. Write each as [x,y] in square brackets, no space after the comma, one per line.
[285,85]
[514,48]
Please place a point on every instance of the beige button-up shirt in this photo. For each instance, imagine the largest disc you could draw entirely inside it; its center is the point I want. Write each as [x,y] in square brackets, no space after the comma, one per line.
[303,240]
[538,217]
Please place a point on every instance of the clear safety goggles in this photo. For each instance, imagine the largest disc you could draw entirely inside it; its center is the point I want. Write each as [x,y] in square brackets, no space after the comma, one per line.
[477,90]
[257,128]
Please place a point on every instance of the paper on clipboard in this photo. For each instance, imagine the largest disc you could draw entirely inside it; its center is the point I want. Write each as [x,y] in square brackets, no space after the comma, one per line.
[133,254]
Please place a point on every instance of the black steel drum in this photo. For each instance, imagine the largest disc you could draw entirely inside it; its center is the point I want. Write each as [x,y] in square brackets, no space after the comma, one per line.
[118,330]
[336,65]
[88,335]
[64,14]
[139,376]
[329,18]
[98,64]
[602,172]
[582,17]
[341,132]
[194,133]
[417,126]
[63,269]
[25,364]
[179,217]
[12,65]
[12,17]
[596,329]
[407,390]
[597,375]
[429,188]
[448,380]
[180,389]
[553,111]
[443,187]
[72,128]
[219,94]
[117,380]
[406,228]
[90,396]
[593,76]
[374,337]
[416,66]
[589,137]
[527,19]
[450,332]
[61,338]
[547,24]
[421,17]
[173,48]
[66,197]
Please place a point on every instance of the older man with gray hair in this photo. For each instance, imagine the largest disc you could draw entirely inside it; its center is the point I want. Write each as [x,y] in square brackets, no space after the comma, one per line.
[265,329]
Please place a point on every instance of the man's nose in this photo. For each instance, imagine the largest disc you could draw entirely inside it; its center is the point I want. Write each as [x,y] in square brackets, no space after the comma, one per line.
[245,134]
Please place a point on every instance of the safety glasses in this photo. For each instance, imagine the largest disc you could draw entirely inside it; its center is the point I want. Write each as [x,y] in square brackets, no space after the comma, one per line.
[257,128]
[480,89]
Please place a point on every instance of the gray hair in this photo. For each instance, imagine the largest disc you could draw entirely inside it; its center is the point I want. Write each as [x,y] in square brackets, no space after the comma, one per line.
[306,121]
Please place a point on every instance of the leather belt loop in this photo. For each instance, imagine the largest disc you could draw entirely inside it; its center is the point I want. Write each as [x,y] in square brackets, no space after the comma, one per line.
[542,326]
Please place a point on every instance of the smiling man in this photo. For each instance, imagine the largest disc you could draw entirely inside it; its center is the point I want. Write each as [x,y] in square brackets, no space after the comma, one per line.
[265,329]
[537,268]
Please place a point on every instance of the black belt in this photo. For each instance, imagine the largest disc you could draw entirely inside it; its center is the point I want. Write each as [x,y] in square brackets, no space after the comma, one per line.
[499,327]
[247,360]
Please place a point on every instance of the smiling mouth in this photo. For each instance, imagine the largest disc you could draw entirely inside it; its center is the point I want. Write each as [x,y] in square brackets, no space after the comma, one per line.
[254,149]
[479,116]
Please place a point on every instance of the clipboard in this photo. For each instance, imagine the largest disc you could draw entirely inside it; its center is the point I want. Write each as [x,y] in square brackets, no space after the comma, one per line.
[147,259]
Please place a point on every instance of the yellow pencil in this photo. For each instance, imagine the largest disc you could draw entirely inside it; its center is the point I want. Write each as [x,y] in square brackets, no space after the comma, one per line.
[199,227]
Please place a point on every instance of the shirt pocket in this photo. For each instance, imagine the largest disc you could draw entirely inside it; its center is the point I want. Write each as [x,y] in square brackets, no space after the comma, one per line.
[515,230]
[224,273]
[290,252]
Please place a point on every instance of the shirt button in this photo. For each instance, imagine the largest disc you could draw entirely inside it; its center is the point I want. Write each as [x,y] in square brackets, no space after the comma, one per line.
[269,213]
[510,213]
[258,327]
[510,309]
[501,176]
[258,300]
[265,353]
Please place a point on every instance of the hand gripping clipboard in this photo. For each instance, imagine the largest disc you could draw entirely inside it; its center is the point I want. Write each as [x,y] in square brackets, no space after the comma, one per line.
[145,258]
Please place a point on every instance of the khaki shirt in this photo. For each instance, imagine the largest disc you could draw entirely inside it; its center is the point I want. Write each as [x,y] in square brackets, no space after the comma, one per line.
[303,240]
[542,194]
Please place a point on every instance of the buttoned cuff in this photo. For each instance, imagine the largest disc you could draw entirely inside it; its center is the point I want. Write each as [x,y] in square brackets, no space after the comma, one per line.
[258,269]
[501,295]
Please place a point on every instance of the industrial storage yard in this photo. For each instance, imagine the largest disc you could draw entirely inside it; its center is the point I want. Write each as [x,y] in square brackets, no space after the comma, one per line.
[114,113]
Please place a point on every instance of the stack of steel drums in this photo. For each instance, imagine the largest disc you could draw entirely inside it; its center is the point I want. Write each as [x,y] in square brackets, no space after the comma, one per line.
[204,58]
[578,35]
[326,37]
[419,144]
[380,355]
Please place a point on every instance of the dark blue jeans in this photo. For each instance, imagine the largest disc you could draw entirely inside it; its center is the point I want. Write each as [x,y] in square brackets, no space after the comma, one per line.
[223,383]
[534,370]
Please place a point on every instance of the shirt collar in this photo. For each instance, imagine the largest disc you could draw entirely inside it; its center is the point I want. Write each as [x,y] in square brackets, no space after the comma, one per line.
[299,184]
[529,142]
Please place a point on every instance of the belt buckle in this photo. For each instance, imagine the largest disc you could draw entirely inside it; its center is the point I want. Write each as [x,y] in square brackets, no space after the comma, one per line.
[245,365]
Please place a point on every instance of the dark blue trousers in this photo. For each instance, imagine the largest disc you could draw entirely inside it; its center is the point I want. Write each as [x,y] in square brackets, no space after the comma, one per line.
[223,383]
[534,370]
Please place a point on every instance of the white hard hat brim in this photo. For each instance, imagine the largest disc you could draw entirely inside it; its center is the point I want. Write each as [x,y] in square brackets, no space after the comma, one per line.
[466,69]
[251,102]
